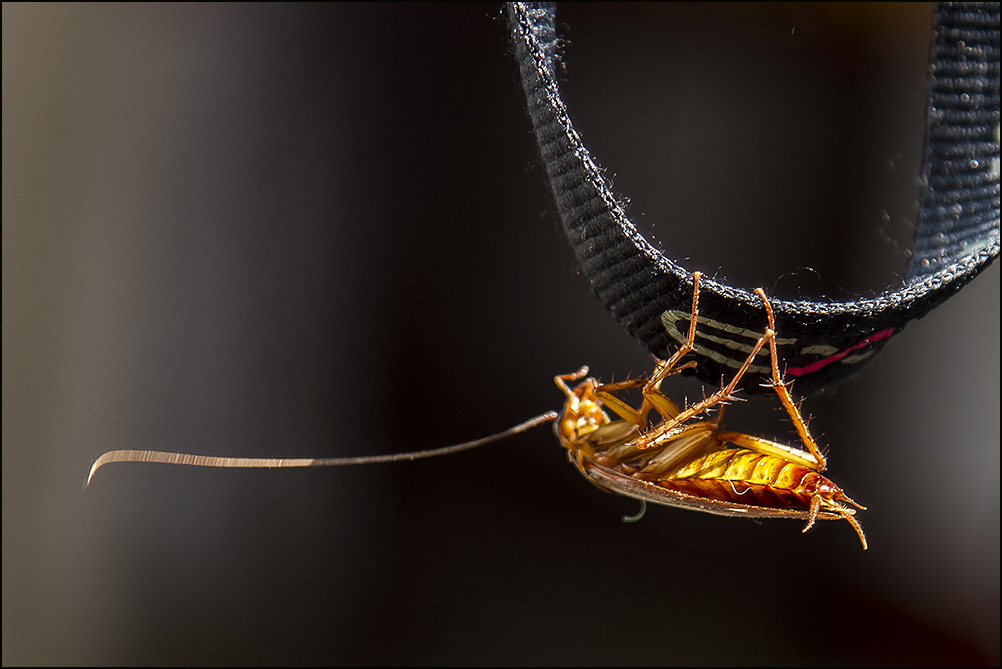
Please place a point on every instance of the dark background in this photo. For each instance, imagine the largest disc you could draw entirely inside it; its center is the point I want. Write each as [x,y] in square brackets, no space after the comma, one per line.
[323,230]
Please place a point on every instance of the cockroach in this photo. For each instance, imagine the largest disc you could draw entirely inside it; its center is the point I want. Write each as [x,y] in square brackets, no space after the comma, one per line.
[679,461]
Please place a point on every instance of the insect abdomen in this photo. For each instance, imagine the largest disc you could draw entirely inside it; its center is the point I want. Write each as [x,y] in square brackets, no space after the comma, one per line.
[743,476]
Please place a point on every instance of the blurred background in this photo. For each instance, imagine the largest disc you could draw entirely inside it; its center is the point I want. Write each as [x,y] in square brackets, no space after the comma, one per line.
[323,230]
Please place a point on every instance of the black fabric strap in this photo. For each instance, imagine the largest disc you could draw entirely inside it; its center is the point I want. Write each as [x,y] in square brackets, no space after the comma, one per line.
[960,195]
[957,235]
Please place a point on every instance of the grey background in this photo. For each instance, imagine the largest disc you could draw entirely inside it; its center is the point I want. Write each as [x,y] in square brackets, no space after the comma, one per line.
[323,230]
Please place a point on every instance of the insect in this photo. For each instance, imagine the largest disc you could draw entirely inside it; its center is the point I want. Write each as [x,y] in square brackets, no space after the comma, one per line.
[686,463]
[679,461]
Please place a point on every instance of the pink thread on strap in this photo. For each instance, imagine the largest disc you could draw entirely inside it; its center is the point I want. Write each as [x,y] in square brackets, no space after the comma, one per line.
[815,366]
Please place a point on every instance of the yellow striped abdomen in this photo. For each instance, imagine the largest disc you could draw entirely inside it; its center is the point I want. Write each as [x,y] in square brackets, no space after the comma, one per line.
[746,477]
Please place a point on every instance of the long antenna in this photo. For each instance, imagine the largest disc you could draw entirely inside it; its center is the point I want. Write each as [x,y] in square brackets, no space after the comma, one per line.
[169,458]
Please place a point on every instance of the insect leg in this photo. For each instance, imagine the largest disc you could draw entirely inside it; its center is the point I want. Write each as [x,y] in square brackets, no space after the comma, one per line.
[818,501]
[767,447]
[622,409]
[562,379]
[673,426]
[653,397]
[665,367]
[694,442]
[784,393]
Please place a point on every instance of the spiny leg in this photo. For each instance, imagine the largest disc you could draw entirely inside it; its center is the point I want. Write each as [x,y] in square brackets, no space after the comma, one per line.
[665,367]
[673,426]
[653,397]
[855,524]
[784,393]
[650,384]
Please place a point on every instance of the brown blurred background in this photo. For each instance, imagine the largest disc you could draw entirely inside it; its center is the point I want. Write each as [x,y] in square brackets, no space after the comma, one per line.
[324,230]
